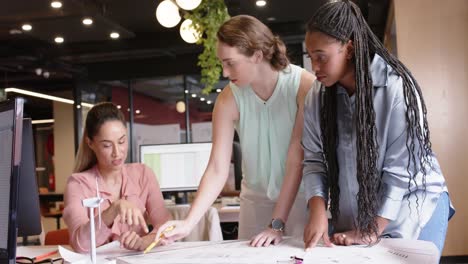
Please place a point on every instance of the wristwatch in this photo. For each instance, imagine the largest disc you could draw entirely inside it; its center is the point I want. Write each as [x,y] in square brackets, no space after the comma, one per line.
[277,225]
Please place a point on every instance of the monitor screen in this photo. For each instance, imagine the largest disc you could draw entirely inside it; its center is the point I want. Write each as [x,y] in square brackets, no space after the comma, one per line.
[178,167]
[11,123]
[28,210]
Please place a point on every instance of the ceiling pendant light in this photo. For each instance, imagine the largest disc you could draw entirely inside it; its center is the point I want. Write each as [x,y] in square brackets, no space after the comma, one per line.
[188,32]
[188,4]
[167,14]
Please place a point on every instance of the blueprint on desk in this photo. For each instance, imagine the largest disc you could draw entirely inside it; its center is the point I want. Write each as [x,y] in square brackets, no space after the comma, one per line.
[386,251]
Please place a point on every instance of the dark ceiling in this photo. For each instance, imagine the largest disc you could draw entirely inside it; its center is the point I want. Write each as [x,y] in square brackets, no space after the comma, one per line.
[144,50]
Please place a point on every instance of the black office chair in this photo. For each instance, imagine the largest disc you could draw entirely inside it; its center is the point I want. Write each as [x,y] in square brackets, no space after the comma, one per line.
[237,160]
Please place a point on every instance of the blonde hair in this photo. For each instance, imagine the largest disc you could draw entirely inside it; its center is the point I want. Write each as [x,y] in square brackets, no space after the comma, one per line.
[97,116]
[248,35]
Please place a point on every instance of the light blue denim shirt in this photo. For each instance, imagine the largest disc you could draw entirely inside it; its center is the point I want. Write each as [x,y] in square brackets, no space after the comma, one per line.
[407,216]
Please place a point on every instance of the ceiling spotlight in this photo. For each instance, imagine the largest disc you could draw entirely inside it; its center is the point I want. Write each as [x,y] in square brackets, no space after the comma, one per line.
[261,3]
[137,112]
[167,14]
[78,106]
[188,4]
[202,99]
[208,102]
[194,95]
[271,18]
[46,74]
[59,40]
[26,27]
[119,106]
[114,35]
[56,4]
[38,71]
[186,91]
[87,21]
[218,90]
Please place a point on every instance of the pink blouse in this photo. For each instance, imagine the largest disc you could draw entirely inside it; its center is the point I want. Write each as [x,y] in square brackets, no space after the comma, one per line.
[139,186]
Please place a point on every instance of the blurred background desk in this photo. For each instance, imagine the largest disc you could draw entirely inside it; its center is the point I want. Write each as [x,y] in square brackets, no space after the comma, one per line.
[229,220]
[48,204]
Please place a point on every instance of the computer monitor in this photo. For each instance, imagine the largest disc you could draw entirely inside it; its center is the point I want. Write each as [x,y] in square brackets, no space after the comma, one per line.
[178,167]
[11,122]
[28,210]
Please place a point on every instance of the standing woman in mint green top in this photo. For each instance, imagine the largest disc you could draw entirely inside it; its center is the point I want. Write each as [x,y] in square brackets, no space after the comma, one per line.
[264,104]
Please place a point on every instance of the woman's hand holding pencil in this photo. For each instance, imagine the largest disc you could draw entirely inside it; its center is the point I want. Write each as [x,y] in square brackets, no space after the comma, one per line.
[157,239]
[169,232]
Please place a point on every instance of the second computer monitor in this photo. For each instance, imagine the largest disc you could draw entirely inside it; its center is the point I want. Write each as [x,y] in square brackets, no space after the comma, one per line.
[178,167]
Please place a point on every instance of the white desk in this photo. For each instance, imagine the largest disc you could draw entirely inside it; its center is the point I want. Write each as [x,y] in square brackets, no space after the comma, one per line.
[388,251]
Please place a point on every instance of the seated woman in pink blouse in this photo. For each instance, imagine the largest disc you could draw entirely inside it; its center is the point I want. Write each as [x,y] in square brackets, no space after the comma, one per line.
[130,191]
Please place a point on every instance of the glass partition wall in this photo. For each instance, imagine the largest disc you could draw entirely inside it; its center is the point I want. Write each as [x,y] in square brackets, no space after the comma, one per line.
[160,110]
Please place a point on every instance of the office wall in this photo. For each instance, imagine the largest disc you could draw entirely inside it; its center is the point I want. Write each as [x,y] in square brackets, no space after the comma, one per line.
[64,148]
[431,41]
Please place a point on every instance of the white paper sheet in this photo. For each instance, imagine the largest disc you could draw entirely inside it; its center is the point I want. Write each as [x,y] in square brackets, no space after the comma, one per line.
[105,254]
[394,251]
[33,251]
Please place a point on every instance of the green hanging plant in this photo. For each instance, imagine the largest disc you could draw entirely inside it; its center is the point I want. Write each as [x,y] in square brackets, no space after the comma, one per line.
[207,18]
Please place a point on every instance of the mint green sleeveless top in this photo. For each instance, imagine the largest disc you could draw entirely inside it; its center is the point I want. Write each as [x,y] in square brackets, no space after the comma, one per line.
[265,129]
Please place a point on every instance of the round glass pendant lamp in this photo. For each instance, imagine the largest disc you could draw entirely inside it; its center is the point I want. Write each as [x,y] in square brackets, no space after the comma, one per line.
[188,32]
[167,14]
[188,4]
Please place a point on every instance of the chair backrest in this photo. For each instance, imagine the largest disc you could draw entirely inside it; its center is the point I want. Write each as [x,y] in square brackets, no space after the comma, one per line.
[208,229]
[57,237]
[237,160]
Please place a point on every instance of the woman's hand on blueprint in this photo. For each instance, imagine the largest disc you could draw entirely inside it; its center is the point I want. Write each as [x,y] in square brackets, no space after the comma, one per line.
[266,238]
[352,237]
[317,226]
[131,240]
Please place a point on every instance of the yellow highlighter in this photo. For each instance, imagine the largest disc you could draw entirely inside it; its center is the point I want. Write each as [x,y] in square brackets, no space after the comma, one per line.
[152,245]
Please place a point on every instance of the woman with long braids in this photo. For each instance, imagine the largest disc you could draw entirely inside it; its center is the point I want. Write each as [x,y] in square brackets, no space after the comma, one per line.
[367,151]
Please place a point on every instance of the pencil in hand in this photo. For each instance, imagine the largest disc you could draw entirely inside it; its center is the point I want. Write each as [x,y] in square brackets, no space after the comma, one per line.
[152,245]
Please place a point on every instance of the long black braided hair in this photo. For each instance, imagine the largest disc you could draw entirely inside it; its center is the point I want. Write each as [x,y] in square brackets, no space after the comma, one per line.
[343,21]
